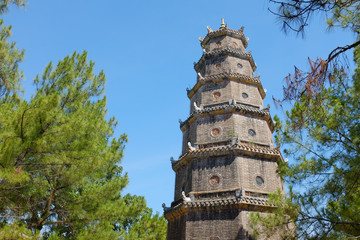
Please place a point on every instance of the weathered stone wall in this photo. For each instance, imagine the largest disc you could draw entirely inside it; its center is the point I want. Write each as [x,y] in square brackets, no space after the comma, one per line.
[215,93]
[246,94]
[242,125]
[215,225]
[176,229]
[250,168]
[224,41]
[238,65]
[206,94]
[229,224]
[183,182]
[226,64]
[223,169]
[204,127]
[232,125]
[231,172]
[196,176]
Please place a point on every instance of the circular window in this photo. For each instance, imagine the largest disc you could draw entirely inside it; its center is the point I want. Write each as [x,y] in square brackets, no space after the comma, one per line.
[214,180]
[245,95]
[259,181]
[252,132]
[239,65]
[218,44]
[215,132]
[218,65]
[216,95]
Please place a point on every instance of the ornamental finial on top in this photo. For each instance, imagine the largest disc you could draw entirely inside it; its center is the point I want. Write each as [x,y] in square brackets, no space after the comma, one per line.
[223,25]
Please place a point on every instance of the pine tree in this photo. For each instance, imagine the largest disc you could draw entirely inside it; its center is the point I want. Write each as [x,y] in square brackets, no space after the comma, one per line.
[320,135]
[60,172]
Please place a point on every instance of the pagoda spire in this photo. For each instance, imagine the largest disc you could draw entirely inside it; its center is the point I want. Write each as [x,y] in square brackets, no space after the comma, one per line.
[223,25]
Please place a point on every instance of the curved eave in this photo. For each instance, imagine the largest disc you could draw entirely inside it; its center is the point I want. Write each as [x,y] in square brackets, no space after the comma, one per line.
[237,77]
[228,51]
[243,202]
[228,108]
[225,32]
[233,149]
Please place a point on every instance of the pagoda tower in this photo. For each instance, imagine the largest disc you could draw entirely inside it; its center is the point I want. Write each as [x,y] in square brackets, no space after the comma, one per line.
[228,163]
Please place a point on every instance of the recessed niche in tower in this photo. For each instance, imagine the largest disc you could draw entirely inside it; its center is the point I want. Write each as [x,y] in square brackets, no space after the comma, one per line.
[234,44]
[244,95]
[218,65]
[215,132]
[214,180]
[216,95]
[218,44]
[252,132]
[239,65]
[259,181]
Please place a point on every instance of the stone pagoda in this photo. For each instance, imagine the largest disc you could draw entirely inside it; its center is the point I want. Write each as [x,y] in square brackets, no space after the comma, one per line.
[228,163]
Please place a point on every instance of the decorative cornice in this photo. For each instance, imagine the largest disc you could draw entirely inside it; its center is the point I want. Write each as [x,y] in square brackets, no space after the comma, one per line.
[225,32]
[237,148]
[237,77]
[242,202]
[225,52]
[225,108]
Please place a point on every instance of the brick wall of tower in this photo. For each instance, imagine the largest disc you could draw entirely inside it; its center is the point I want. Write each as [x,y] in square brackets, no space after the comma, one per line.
[183,181]
[253,167]
[224,41]
[205,94]
[234,172]
[242,125]
[225,168]
[216,225]
[226,64]
[177,229]
[228,90]
[230,126]
[253,95]
[195,177]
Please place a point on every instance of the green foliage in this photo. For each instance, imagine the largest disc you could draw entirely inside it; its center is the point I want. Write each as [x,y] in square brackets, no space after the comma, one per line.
[60,160]
[15,231]
[148,227]
[346,16]
[279,221]
[4,4]
[60,173]
[10,57]
[321,134]
[296,14]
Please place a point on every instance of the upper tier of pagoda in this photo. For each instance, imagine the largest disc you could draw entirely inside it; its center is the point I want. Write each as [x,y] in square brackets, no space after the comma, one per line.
[214,49]
[224,31]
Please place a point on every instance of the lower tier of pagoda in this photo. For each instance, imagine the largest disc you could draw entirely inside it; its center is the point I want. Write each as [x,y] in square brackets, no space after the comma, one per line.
[234,147]
[214,201]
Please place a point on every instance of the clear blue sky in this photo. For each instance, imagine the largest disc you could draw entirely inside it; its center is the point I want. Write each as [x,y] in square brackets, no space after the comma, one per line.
[147,50]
